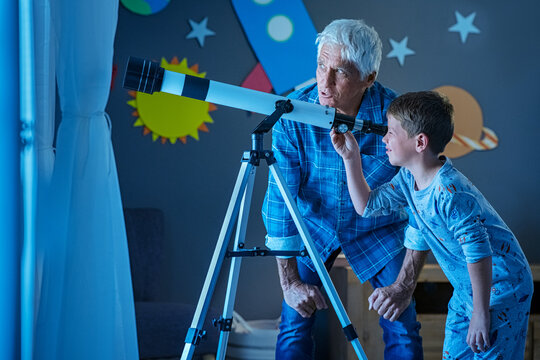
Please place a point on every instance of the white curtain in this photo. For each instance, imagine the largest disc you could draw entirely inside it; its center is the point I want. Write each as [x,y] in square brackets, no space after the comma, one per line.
[85,308]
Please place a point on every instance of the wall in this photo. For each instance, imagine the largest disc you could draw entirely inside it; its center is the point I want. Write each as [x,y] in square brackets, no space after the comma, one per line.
[192,182]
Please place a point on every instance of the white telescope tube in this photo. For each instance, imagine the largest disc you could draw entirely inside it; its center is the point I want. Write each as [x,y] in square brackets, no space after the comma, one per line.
[147,76]
[252,100]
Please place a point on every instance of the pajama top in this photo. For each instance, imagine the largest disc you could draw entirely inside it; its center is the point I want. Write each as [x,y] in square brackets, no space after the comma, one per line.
[458,224]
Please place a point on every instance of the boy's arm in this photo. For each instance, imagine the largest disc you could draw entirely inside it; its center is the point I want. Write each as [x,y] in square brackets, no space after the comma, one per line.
[391,301]
[478,335]
[347,147]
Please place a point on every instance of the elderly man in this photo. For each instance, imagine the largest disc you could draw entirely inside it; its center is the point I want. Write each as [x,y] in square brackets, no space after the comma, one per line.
[349,54]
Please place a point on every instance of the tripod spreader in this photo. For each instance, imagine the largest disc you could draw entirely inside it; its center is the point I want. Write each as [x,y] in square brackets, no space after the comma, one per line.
[263,252]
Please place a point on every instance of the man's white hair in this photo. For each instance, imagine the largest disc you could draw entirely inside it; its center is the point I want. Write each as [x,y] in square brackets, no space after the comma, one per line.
[360,44]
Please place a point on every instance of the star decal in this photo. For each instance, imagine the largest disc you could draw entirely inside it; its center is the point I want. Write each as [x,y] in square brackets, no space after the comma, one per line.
[400,50]
[199,31]
[464,26]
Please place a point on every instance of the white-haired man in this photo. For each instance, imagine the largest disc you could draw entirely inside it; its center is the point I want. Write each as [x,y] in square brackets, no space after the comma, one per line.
[349,54]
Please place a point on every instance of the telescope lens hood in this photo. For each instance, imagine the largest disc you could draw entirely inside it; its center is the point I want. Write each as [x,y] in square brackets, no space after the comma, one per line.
[143,75]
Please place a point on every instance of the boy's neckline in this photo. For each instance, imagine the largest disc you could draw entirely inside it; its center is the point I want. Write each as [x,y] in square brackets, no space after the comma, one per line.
[429,175]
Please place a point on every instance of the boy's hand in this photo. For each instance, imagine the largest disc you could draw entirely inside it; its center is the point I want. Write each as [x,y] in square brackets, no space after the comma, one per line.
[478,335]
[345,145]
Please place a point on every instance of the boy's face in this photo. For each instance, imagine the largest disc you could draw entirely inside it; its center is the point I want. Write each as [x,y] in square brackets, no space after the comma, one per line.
[399,147]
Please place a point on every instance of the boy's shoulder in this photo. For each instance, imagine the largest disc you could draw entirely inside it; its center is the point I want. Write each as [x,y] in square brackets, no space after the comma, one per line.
[452,185]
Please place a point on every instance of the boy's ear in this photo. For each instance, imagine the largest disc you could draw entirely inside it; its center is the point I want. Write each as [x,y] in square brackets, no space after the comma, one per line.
[422,142]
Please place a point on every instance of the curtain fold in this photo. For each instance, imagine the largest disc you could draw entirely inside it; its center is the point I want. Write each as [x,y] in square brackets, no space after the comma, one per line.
[86,308]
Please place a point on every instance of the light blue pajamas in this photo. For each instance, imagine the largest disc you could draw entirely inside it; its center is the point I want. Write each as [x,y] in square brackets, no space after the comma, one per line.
[455,221]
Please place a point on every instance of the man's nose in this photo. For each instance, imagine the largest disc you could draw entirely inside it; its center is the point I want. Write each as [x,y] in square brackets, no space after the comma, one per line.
[327,78]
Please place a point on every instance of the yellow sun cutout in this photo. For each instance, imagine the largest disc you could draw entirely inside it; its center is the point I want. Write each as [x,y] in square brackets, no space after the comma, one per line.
[171,117]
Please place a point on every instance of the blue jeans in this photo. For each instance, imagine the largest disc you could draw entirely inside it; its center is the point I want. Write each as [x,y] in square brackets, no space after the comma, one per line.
[401,337]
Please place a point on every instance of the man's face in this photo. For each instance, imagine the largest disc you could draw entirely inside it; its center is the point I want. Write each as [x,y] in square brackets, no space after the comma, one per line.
[339,82]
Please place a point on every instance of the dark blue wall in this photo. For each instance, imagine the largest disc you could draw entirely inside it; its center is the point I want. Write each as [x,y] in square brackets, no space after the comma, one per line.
[192,182]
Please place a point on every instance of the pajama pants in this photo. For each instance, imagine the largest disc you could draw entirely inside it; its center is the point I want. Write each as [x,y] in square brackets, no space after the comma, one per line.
[507,333]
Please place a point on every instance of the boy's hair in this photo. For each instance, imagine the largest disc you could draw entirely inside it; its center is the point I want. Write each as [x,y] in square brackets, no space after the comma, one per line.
[425,112]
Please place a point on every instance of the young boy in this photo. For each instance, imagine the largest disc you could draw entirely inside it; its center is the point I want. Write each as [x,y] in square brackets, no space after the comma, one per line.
[489,310]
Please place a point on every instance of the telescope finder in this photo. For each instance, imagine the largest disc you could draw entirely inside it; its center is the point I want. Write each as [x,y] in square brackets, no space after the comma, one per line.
[143,75]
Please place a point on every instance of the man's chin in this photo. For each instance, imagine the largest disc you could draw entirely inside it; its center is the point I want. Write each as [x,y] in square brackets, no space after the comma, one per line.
[326,101]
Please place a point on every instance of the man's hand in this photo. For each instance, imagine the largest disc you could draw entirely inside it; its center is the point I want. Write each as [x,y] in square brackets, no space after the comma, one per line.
[478,335]
[390,301]
[304,298]
[345,144]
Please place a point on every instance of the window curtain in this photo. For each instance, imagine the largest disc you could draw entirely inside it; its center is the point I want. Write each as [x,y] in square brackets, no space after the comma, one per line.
[85,305]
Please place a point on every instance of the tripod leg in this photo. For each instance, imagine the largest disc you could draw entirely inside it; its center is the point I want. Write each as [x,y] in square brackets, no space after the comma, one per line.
[350,333]
[234,271]
[195,333]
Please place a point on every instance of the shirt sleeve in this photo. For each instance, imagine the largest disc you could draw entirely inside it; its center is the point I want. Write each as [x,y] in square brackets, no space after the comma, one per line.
[465,219]
[386,199]
[377,169]
[280,227]
[414,239]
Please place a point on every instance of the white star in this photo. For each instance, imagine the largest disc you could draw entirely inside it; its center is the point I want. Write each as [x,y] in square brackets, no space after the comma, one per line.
[464,26]
[400,50]
[199,31]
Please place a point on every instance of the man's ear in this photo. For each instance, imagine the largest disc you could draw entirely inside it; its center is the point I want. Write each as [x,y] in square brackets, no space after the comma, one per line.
[370,79]
[422,142]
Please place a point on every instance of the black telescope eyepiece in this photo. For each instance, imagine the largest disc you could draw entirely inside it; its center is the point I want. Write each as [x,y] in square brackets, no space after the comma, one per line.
[143,75]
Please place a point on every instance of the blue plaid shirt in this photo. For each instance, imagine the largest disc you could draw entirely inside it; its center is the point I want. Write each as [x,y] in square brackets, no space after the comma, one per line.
[316,176]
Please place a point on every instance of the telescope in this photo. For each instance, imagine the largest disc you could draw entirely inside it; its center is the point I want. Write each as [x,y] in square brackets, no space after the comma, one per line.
[148,77]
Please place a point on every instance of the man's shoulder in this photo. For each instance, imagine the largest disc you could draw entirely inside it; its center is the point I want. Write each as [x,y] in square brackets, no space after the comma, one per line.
[307,93]
[386,93]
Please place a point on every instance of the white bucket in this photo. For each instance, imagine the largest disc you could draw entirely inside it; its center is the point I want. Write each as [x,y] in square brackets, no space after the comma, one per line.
[252,340]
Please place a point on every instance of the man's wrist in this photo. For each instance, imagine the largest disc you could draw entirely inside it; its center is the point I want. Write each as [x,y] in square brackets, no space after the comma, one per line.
[403,288]
[288,273]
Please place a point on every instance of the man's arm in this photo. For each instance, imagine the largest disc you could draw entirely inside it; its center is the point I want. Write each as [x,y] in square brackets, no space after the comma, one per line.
[391,301]
[302,297]
[347,147]
[478,335]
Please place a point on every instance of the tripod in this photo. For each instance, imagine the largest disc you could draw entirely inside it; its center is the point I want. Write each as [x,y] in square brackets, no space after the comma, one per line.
[240,208]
